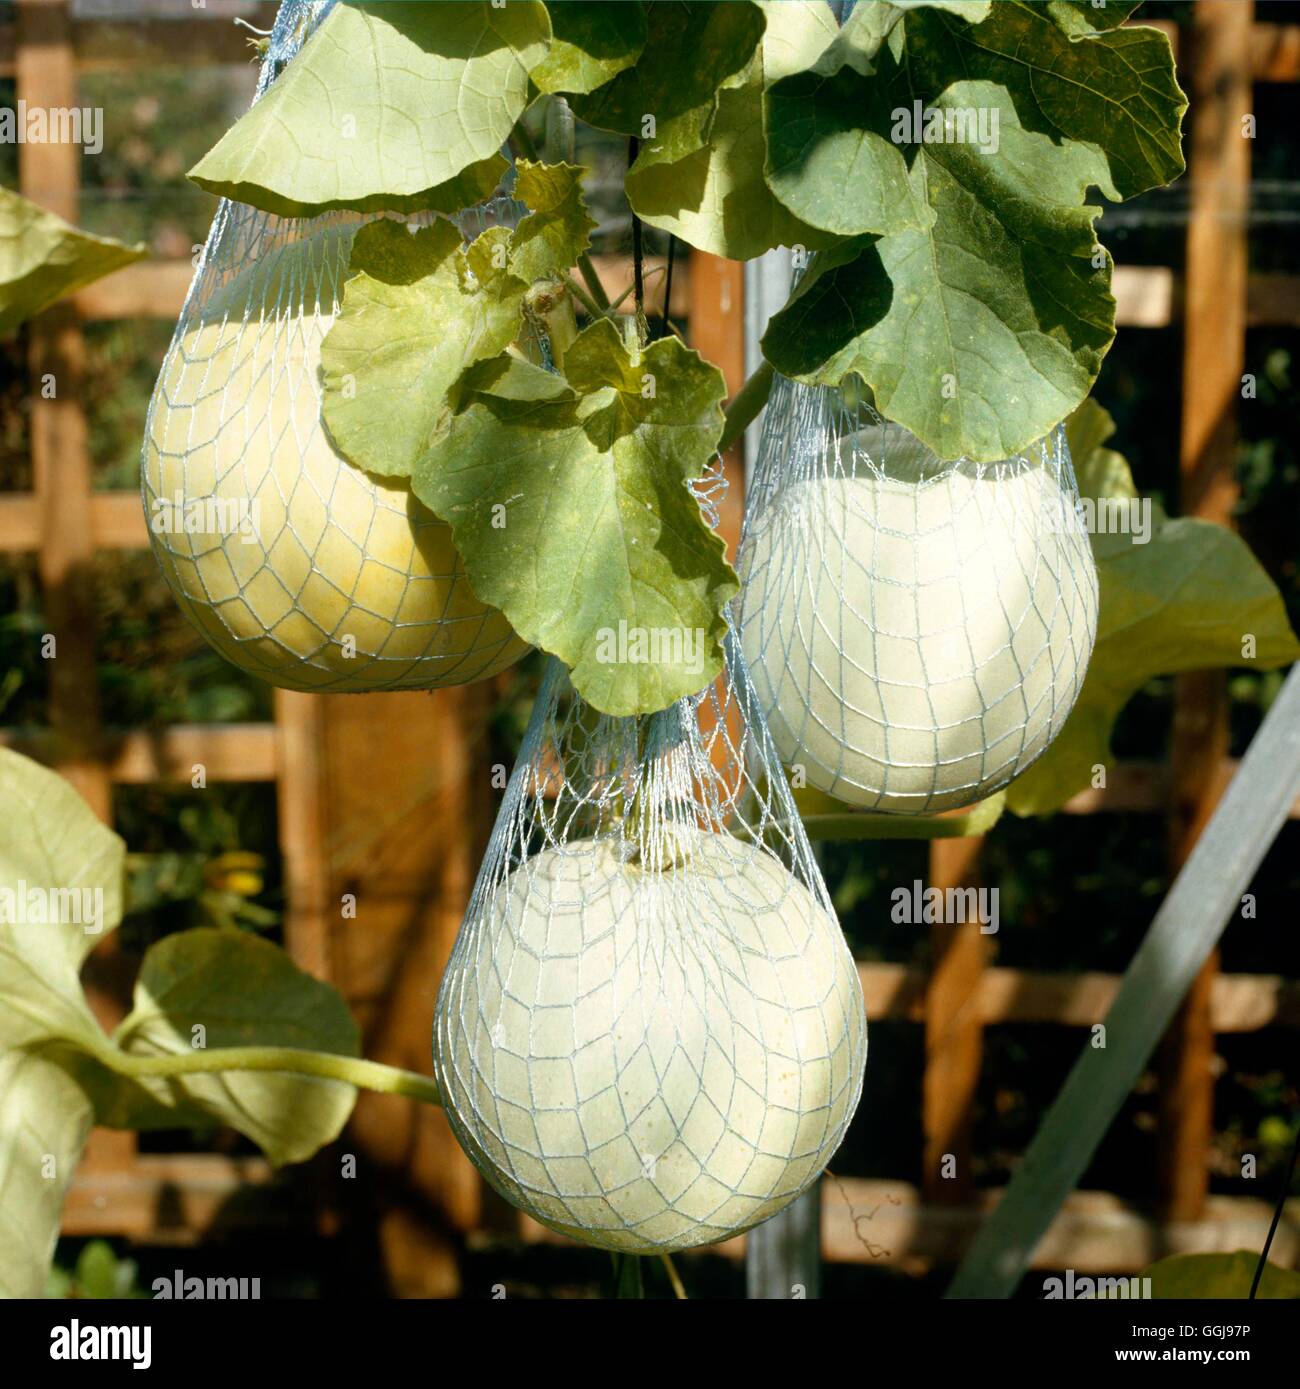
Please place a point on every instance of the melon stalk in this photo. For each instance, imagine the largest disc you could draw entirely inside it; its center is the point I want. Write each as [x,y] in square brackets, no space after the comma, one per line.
[293,564]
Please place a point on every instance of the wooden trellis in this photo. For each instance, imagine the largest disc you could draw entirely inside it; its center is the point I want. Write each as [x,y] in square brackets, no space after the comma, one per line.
[406,836]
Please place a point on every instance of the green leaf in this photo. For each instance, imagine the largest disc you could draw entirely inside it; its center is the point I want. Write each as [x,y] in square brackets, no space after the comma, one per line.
[570,505]
[398,107]
[56,861]
[1219,1276]
[417,310]
[45,1119]
[1183,601]
[242,991]
[593,41]
[691,49]
[42,258]
[558,229]
[707,185]
[999,318]
[1078,18]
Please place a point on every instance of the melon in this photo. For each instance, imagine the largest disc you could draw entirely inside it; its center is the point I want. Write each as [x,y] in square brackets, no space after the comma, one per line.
[917,631]
[648,1059]
[294,565]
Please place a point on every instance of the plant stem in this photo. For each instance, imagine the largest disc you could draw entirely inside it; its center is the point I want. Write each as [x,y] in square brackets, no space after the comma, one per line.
[352,1070]
[593,309]
[629,1282]
[675,1278]
[743,410]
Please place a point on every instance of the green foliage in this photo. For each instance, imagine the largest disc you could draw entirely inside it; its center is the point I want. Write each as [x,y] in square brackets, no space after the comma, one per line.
[1186,600]
[1219,1276]
[398,107]
[981,315]
[705,183]
[42,258]
[592,42]
[569,501]
[61,876]
[98,1273]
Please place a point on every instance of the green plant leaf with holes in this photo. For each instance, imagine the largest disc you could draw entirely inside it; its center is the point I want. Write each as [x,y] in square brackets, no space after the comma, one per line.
[420,309]
[592,42]
[387,107]
[1187,599]
[998,310]
[705,183]
[42,259]
[569,500]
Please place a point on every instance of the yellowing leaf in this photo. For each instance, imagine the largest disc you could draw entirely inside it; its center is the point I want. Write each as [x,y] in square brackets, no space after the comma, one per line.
[42,258]
[387,106]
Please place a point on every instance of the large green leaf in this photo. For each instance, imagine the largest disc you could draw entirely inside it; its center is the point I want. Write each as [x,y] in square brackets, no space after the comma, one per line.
[60,893]
[1001,310]
[593,41]
[1219,1276]
[42,258]
[387,106]
[45,1119]
[569,502]
[242,991]
[418,310]
[692,48]
[707,185]
[1183,601]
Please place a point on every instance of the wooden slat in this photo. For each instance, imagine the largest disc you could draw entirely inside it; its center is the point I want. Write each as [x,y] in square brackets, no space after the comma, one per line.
[247,752]
[1217,77]
[148,289]
[954,1042]
[1238,1002]
[111,45]
[116,522]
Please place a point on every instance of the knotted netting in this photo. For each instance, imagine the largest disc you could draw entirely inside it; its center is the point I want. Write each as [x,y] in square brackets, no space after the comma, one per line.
[651,1033]
[295,565]
[917,629]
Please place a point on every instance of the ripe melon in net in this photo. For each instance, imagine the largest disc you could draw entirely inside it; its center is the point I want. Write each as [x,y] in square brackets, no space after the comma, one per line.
[295,565]
[651,1059]
[917,632]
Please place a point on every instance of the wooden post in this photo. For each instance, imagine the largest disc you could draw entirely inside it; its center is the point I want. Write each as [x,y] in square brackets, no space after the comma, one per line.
[1218,79]
[50,174]
[954,1035]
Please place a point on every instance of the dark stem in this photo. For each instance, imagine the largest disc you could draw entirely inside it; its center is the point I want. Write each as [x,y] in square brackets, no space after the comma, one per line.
[668,283]
[633,145]
[1277,1214]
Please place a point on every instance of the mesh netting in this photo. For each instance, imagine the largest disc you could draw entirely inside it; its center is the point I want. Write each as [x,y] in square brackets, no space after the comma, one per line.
[916,630]
[296,566]
[651,1033]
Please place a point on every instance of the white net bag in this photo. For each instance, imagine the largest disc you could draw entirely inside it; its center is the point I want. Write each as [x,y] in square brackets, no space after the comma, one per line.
[295,565]
[651,1033]
[916,629]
